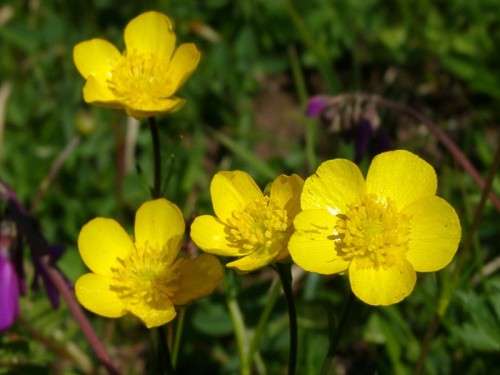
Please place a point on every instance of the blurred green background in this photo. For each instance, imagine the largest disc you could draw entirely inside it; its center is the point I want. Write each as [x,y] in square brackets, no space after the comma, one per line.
[245,109]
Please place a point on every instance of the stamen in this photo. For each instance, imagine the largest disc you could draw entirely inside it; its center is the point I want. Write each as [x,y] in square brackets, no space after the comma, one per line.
[372,231]
[261,226]
[145,276]
[140,80]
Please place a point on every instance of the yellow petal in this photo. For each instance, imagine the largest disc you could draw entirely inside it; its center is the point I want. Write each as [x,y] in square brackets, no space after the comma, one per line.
[208,233]
[232,191]
[159,223]
[252,262]
[285,193]
[311,245]
[383,285]
[336,184]
[153,317]
[155,108]
[95,57]
[97,92]
[101,242]
[151,33]
[182,65]
[197,278]
[94,293]
[434,234]
[401,176]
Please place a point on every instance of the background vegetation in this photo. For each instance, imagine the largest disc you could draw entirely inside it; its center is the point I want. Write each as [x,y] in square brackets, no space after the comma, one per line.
[246,103]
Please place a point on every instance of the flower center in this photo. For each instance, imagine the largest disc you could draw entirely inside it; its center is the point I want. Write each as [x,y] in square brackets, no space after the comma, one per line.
[145,276]
[261,226]
[140,80]
[373,231]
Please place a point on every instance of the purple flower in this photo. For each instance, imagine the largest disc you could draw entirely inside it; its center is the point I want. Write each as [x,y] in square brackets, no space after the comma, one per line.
[316,106]
[10,283]
[363,129]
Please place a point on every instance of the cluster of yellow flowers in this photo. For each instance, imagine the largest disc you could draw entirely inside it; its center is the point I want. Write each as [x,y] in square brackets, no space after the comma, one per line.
[381,230]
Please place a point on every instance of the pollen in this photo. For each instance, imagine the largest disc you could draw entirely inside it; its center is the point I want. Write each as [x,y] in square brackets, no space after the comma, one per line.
[147,275]
[261,227]
[373,231]
[140,80]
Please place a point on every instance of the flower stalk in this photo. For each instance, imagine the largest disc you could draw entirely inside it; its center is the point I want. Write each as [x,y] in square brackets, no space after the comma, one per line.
[272,297]
[155,138]
[285,274]
[178,335]
[240,334]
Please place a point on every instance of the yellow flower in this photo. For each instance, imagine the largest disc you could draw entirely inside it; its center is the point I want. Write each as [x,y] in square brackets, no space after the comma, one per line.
[144,277]
[249,224]
[381,231]
[144,79]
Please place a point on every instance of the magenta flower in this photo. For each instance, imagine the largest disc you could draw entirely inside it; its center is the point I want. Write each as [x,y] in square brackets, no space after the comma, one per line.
[10,283]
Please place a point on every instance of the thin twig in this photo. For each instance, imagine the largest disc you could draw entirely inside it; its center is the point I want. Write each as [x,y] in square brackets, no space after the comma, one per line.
[56,166]
[434,129]
[489,268]
[78,314]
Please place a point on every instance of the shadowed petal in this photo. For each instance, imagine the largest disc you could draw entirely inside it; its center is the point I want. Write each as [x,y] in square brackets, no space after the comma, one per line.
[197,278]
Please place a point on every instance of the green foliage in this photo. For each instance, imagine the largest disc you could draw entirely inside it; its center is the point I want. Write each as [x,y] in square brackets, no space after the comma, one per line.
[243,112]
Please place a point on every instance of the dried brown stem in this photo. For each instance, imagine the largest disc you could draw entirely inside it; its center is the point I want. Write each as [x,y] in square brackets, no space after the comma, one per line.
[29,229]
[434,129]
[467,244]
[79,316]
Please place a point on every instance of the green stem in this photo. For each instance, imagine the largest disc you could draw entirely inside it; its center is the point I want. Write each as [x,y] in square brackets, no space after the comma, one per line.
[272,297]
[155,138]
[163,360]
[178,335]
[301,89]
[336,334]
[240,333]
[284,271]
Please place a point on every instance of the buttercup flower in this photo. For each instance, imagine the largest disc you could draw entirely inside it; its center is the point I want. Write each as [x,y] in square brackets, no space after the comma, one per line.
[381,231]
[144,79]
[143,276]
[248,223]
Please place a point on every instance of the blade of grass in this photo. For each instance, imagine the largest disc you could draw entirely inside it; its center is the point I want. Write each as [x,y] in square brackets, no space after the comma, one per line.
[246,155]
[300,86]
